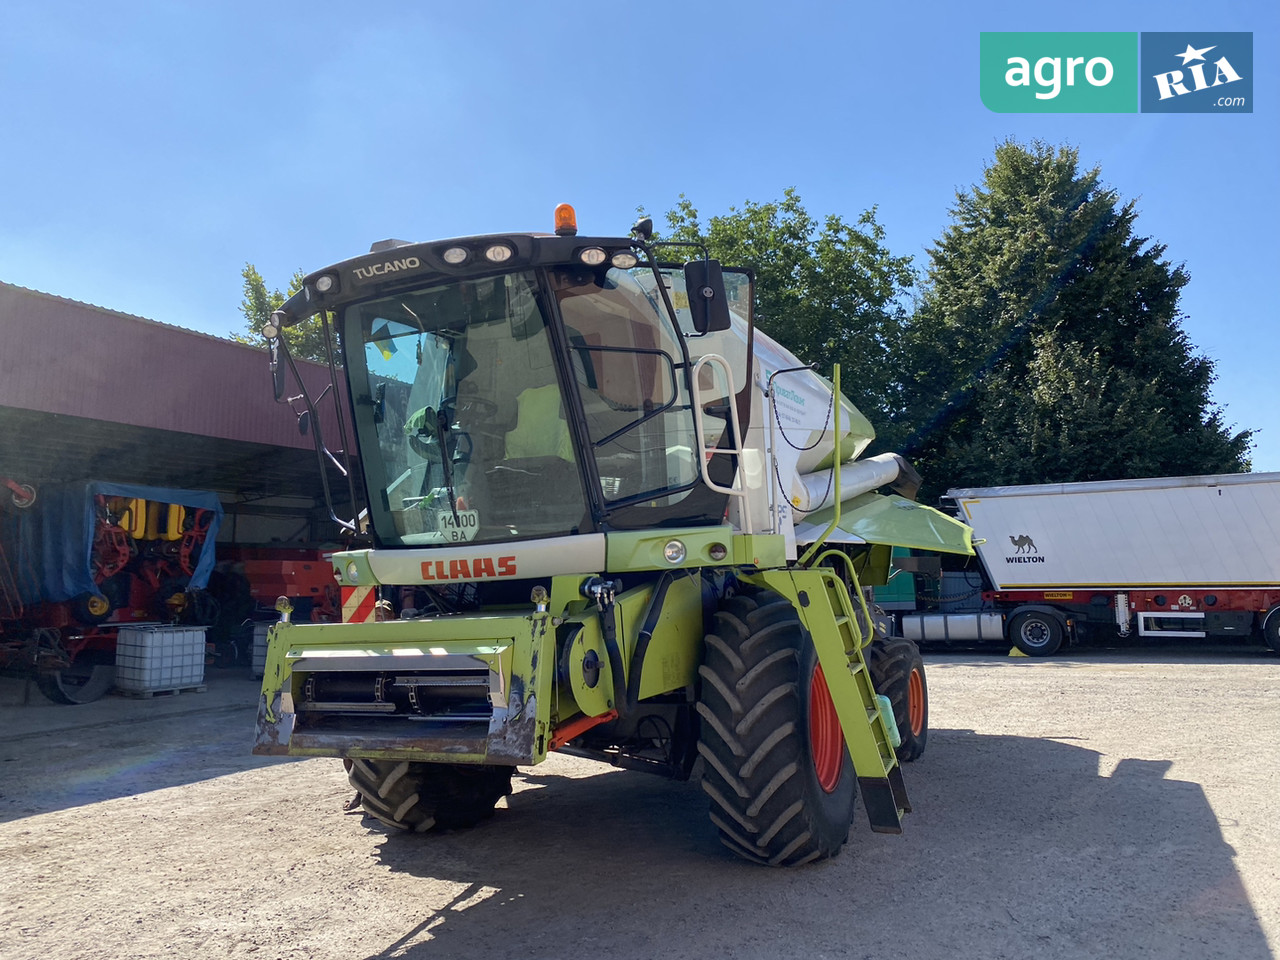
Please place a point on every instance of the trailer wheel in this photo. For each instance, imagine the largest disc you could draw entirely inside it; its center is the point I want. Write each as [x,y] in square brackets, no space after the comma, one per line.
[1271,629]
[1036,632]
[89,609]
[778,774]
[897,672]
[422,796]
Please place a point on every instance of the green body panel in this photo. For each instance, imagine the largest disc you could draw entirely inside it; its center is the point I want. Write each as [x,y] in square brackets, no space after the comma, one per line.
[515,651]
[360,559]
[670,662]
[535,682]
[895,520]
[547,667]
[642,550]
[899,590]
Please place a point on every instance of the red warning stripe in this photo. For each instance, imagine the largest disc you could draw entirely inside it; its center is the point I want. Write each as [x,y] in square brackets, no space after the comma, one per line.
[358,604]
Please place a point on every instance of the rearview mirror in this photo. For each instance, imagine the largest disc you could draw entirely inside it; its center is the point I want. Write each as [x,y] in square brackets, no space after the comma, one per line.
[708,305]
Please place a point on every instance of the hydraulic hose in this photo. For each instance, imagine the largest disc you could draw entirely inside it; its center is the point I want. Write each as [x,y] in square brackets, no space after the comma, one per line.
[642,639]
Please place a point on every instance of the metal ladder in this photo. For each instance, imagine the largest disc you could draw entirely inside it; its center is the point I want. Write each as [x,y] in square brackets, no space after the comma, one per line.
[824,604]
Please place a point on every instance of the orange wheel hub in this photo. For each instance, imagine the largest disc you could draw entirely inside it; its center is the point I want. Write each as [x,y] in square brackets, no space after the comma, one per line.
[826,741]
[915,702]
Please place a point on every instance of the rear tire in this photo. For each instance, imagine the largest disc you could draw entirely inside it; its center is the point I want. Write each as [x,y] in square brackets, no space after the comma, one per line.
[1037,633]
[422,796]
[897,672]
[778,774]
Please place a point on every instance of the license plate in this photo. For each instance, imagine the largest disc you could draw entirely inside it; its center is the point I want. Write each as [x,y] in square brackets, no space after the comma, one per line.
[462,529]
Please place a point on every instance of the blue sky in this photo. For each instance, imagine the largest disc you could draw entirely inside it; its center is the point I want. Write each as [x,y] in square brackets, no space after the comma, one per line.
[151,149]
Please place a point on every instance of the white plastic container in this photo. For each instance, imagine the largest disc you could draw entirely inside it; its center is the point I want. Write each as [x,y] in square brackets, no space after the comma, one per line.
[155,656]
[260,649]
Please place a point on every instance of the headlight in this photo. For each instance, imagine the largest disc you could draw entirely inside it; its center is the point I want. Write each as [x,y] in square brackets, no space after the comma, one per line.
[674,551]
[593,256]
[498,253]
[455,255]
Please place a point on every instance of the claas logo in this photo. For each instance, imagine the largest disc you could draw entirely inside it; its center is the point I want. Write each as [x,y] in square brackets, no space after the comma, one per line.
[481,568]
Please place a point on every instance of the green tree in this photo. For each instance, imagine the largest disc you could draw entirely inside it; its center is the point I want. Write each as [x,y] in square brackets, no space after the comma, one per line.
[1047,346]
[829,291]
[305,339]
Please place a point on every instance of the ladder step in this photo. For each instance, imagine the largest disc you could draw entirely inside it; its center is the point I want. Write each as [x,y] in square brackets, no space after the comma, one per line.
[879,797]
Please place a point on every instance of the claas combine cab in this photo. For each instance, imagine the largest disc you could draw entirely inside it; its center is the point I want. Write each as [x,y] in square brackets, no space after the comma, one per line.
[597,513]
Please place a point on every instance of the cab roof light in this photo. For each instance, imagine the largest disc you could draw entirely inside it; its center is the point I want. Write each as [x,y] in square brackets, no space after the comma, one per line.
[566,221]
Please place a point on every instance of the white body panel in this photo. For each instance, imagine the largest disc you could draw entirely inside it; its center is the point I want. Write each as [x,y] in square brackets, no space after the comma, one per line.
[797,430]
[491,561]
[1215,531]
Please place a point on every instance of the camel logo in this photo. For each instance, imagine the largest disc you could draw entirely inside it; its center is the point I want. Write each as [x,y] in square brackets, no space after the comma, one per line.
[1026,551]
[1024,544]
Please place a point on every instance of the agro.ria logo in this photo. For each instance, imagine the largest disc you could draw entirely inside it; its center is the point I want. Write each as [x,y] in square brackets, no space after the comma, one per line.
[1197,73]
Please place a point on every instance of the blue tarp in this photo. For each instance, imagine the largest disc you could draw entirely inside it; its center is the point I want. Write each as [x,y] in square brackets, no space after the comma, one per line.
[56,536]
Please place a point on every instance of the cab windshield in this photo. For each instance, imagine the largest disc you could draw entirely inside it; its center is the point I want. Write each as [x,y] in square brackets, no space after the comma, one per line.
[464,423]
[472,441]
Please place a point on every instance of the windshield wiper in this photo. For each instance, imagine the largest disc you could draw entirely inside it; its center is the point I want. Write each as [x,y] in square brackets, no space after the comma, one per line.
[441,423]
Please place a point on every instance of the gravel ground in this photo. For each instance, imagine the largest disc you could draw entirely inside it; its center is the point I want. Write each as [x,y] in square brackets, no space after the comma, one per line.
[1108,804]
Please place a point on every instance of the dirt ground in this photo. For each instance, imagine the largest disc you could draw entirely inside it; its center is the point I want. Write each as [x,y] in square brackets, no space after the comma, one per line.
[1103,805]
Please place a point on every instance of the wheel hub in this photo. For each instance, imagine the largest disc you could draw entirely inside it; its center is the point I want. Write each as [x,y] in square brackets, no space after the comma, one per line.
[826,739]
[915,702]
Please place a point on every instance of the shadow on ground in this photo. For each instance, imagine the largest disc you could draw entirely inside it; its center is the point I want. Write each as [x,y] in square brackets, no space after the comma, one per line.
[1019,847]
[54,756]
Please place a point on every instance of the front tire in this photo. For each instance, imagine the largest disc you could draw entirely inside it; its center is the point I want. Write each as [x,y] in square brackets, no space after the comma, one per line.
[1037,633]
[897,672]
[422,796]
[778,774]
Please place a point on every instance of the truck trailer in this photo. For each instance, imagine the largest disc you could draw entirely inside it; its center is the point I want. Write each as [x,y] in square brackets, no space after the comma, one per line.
[1164,557]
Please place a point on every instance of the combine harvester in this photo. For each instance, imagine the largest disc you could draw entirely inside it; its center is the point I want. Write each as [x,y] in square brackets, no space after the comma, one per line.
[1168,557]
[603,516]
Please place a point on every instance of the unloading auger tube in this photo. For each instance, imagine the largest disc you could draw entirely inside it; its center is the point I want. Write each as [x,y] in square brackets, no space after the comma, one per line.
[584,481]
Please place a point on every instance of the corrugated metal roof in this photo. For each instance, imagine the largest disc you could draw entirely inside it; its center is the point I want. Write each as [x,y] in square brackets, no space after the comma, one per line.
[92,393]
[61,356]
